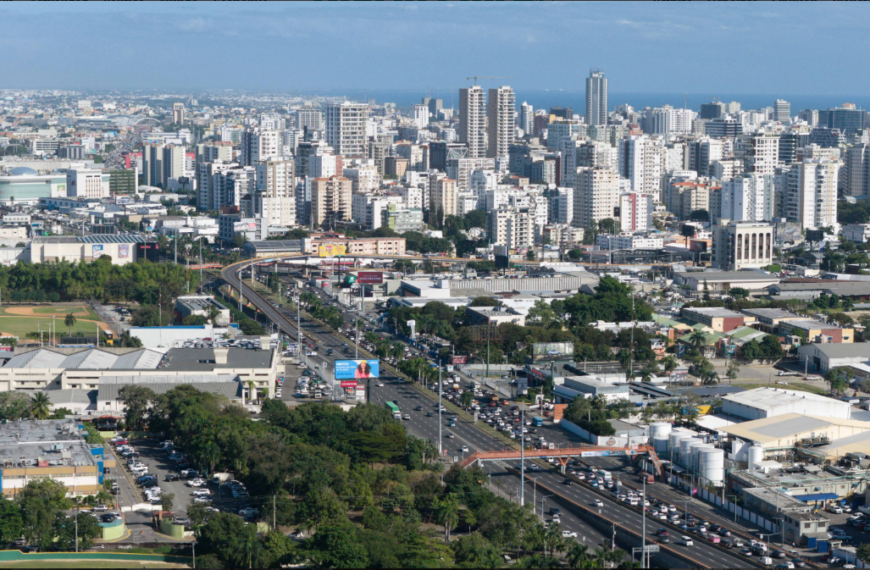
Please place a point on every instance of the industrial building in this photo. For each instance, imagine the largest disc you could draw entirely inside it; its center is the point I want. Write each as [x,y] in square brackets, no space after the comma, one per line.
[202,306]
[721,281]
[752,442]
[122,249]
[821,357]
[717,318]
[569,388]
[31,450]
[770,402]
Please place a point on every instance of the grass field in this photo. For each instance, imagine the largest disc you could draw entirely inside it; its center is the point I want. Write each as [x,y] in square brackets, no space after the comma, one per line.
[88,564]
[20,320]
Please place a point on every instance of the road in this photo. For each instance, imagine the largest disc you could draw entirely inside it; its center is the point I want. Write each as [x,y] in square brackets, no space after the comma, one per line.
[408,397]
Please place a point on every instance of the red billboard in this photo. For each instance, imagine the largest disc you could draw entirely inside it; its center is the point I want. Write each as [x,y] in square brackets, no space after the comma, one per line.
[458,359]
[370,277]
[348,383]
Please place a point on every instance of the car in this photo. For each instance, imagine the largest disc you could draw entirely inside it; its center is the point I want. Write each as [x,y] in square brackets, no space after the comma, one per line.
[569,534]
[597,503]
[380,384]
[686,541]
[662,532]
[248,511]
[201,493]
[777,554]
[196,483]
[464,449]
[101,508]
[798,563]
[182,521]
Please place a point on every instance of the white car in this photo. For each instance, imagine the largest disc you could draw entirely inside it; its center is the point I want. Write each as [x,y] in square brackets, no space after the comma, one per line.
[380,384]
[202,500]
[569,534]
[201,493]
[598,503]
[196,483]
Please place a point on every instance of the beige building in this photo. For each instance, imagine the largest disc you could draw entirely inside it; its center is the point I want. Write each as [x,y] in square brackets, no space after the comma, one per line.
[178,113]
[513,228]
[500,115]
[275,199]
[346,128]
[395,166]
[357,246]
[331,200]
[472,120]
[742,245]
[596,195]
[443,197]
[686,196]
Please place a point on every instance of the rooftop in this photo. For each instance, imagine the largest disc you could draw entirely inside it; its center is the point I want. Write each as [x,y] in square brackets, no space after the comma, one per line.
[766,398]
[23,443]
[223,385]
[202,359]
[787,425]
[714,312]
[771,314]
[716,276]
[104,238]
[88,359]
[839,350]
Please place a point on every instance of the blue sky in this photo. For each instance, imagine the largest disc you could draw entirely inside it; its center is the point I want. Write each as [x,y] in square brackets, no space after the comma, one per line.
[760,47]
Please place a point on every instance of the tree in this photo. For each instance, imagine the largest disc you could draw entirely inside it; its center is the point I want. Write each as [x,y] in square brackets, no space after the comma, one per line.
[483,301]
[575,254]
[733,370]
[447,513]
[70,321]
[41,501]
[14,406]
[337,546]
[10,522]
[697,340]
[230,539]
[40,407]
[136,401]
[239,240]
[837,379]
[541,314]
[466,399]
[739,292]
[66,531]
[475,551]
[166,500]
[607,226]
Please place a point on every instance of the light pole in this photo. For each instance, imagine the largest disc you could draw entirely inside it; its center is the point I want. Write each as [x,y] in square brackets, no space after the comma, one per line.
[544,498]
[523,461]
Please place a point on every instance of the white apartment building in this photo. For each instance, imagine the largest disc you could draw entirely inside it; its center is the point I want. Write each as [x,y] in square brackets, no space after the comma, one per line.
[443,198]
[472,120]
[526,118]
[512,228]
[563,235]
[504,196]
[596,98]
[640,161]
[207,185]
[411,196]
[635,212]
[811,193]
[742,245]
[480,182]
[596,195]
[309,118]
[859,233]
[460,169]
[346,128]
[561,206]
[260,144]
[748,198]
[502,128]
[726,169]
[856,170]
[368,208]
[275,199]
[86,183]
[465,203]
[364,179]
[762,155]
[420,115]
[628,241]
[668,121]
[323,165]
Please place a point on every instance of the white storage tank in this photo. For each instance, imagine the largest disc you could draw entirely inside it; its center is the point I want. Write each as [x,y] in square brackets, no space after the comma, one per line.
[685,450]
[696,453]
[756,456]
[712,465]
[674,443]
[658,434]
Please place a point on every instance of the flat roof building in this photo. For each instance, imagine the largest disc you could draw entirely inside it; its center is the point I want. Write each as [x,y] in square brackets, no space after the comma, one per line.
[769,402]
[821,357]
[717,318]
[724,280]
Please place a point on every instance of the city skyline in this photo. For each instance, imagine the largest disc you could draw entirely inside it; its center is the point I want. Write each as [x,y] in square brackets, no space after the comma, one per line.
[675,48]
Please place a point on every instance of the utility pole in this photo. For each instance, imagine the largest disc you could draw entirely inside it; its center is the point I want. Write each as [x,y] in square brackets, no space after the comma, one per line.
[440,390]
[77,530]
[522,459]
[643,563]
[631,345]
[274,518]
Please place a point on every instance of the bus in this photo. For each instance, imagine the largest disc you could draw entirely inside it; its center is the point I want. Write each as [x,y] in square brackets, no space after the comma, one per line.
[537,422]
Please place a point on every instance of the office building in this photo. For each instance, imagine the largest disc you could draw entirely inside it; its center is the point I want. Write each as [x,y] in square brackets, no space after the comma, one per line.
[178,113]
[310,119]
[811,193]
[782,111]
[346,128]
[402,220]
[331,201]
[724,127]
[123,181]
[742,245]
[209,186]
[628,241]
[501,126]
[846,119]
[856,170]
[87,183]
[472,120]
[214,151]
[596,98]
[421,116]
[712,110]
[526,119]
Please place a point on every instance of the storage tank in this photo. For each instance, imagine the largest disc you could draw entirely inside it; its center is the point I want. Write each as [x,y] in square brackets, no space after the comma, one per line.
[658,435]
[711,464]
[696,454]
[756,456]
[685,450]
[674,443]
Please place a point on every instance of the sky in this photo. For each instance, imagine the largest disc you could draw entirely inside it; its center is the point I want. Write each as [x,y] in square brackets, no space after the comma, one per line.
[798,48]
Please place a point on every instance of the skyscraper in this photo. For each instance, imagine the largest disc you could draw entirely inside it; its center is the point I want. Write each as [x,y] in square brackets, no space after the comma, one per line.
[178,113]
[259,144]
[526,119]
[500,112]
[781,110]
[346,128]
[596,98]
[472,114]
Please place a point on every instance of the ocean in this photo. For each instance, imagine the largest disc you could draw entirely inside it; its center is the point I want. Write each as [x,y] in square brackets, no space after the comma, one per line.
[405,98]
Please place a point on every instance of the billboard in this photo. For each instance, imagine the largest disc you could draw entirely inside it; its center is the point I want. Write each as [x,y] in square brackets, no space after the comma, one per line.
[544,350]
[458,359]
[331,249]
[356,369]
[370,277]
[348,383]
[123,250]
[97,250]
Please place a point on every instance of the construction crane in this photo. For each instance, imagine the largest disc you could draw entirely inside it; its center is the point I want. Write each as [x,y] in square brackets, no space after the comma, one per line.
[476,77]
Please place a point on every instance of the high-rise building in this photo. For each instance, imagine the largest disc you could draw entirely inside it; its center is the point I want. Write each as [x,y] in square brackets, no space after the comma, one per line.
[811,116]
[596,98]
[212,151]
[856,170]
[331,201]
[747,198]
[668,121]
[346,128]
[152,167]
[687,196]
[511,227]
[762,156]
[173,161]
[526,118]
[309,118]
[275,199]
[712,110]
[596,196]
[781,111]
[635,212]
[208,187]
[178,113]
[640,161]
[443,196]
[811,193]
[472,120]
[421,116]
[260,144]
[500,114]
[742,245]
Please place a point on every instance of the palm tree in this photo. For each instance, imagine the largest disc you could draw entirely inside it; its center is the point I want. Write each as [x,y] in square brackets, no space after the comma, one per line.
[70,322]
[578,556]
[669,363]
[447,513]
[733,370]
[40,406]
[697,340]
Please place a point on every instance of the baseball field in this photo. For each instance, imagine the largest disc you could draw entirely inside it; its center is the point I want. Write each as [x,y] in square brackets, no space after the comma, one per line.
[19,320]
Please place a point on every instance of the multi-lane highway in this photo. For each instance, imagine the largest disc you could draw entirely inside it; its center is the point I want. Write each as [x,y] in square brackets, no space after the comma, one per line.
[465,434]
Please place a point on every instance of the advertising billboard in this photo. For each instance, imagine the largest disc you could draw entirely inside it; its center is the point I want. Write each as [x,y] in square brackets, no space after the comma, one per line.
[356,369]
[331,249]
[370,277]
[348,383]
[545,350]
[458,359]
[97,250]
[124,250]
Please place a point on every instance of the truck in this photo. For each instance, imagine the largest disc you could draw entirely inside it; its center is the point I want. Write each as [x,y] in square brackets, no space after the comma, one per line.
[537,422]
[394,408]
[605,475]
[218,478]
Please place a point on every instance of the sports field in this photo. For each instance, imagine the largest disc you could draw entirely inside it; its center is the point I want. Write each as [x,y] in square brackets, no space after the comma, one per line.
[88,564]
[18,320]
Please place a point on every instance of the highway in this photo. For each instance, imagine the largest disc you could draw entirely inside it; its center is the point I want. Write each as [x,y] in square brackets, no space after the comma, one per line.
[408,397]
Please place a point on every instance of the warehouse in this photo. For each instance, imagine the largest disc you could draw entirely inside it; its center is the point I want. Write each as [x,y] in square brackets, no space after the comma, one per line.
[721,281]
[121,249]
[822,357]
[32,450]
[790,430]
[718,319]
[770,402]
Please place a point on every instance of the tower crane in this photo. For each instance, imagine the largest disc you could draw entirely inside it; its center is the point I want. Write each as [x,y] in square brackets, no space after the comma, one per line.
[476,77]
